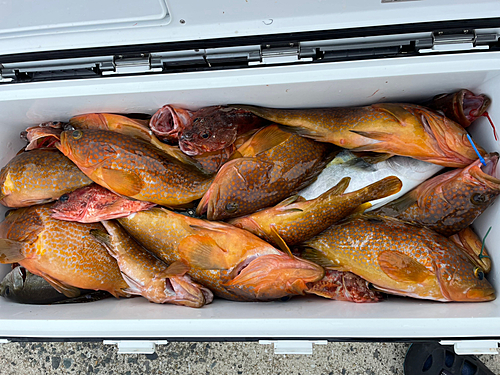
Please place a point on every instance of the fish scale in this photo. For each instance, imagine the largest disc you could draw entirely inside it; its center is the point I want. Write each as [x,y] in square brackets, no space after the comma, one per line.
[263,178]
[134,168]
[64,251]
[400,258]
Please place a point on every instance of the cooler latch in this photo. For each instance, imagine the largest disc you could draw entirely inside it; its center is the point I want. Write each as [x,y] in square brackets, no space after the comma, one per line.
[135,346]
[129,65]
[473,347]
[293,346]
[459,40]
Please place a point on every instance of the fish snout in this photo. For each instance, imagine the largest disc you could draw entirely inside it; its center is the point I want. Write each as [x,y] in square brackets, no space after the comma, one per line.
[480,294]
[187,293]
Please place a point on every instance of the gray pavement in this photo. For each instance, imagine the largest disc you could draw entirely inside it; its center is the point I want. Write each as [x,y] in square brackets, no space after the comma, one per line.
[205,358]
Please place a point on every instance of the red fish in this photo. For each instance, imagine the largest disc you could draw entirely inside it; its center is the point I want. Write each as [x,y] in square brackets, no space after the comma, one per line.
[94,203]
[168,121]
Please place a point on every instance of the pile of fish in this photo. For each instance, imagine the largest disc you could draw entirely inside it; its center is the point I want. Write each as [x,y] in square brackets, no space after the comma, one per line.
[251,204]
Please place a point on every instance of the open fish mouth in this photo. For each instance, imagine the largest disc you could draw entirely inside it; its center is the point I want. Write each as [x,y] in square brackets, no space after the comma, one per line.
[168,121]
[474,105]
[487,173]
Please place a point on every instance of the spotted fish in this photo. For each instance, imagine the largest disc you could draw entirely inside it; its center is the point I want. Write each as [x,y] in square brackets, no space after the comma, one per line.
[149,276]
[63,253]
[94,203]
[400,258]
[293,221]
[396,129]
[38,176]
[133,168]
[231,262]
[451,201]
[272,165]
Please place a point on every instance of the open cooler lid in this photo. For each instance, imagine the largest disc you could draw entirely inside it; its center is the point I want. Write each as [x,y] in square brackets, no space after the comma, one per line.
[76,39]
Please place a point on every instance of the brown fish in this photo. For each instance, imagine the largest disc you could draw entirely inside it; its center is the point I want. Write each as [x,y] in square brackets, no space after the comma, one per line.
[344,286]
[147,275]
[231,262]
[293,221]
[38,176]
[94,203]
[451,201]
[274,164]
[62,252]
[396,129]
[216,128]
[133,168]
[168,121]
[462,106]
[400,258]
[473,246]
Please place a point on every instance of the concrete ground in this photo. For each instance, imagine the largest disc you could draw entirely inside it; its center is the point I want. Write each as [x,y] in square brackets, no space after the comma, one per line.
[205,358]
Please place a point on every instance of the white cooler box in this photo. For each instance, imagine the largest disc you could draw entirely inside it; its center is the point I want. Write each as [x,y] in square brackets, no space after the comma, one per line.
[68,58]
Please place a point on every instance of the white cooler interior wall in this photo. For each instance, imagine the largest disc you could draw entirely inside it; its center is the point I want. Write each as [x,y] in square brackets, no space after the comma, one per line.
[329,84]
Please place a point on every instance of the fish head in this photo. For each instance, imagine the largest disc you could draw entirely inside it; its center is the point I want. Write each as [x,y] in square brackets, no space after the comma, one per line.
[464,281]
[168,121]
[73,206]
[89,121]
[210,130]
[85,147]
[184,291]
[13,283]
[272,276]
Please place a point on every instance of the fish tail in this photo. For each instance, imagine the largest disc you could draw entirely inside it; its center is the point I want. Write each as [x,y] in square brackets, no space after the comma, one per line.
[381,189]
[11,251]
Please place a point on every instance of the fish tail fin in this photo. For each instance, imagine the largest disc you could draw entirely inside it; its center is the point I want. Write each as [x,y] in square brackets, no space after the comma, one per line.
[381,189]
[336,190]
[11,251]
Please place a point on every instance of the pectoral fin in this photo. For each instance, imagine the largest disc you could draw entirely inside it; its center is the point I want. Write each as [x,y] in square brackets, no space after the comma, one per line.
[379,136]
[279,241]
[402,268]
[203,252]
[11,251]
[290,200]
[262,141]
[62,287]
[319,258]
[175,269]
[122,182]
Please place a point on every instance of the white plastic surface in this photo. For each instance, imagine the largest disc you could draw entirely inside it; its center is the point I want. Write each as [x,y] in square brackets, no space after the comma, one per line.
[332,84]
[31,26]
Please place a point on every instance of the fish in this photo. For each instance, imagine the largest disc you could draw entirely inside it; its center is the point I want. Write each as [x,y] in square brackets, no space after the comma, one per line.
[393,128]
[400,258]
[63,253]
[462,106]
[344,286]
[216,128]
[44,135]
[293,220]
[449,202]
[21,286]
[133,168]
[269,167]
[233,263]
[468,240]
[149,276]
[94,203]
[410,171]
[38,176]
[168,121]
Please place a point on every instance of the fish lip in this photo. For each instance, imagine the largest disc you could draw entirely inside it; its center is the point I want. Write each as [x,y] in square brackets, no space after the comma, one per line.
[480,294]
[486,174]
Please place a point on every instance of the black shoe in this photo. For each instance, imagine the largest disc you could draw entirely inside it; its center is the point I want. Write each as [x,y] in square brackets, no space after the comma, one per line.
[435,359]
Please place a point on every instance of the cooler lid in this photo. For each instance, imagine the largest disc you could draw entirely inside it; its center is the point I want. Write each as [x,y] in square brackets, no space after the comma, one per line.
[51,25]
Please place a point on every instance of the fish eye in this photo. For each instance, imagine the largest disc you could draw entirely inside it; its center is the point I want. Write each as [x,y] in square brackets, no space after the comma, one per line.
[64,197]
[204,135]
[68,127]
[8,212]
[76,134]
[478,272]
[231,207]
[478,199]
[7,290]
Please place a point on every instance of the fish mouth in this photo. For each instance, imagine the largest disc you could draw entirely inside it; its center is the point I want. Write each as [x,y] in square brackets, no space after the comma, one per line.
[168,121]
[487,174]
[474,105]
[188,148]
[182,290]
[480,294]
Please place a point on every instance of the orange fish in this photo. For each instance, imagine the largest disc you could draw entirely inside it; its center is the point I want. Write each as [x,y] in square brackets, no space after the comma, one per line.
[451,201]
[147,275]
[63,253]
[400,258]
[231,262]
[294,220]
[38,176]
[396,129]
[270,166]
[133,168]
[468,240]
[112,122]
